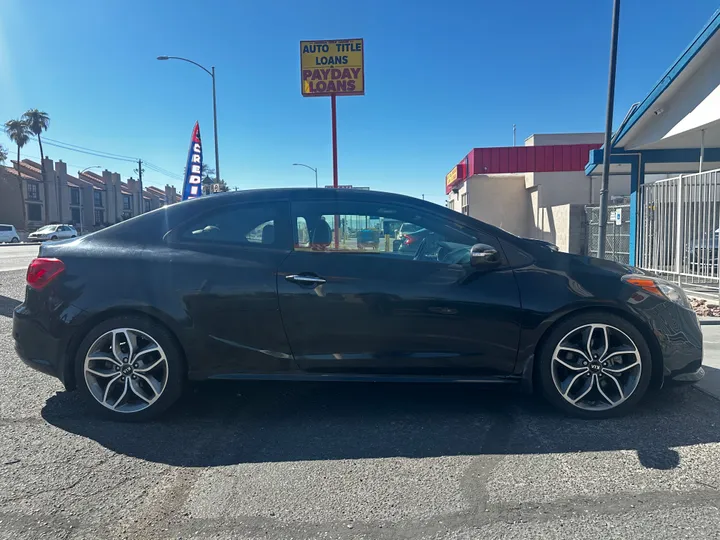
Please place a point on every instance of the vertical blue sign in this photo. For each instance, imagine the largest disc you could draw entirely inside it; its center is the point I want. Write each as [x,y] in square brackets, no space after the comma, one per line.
[192,187]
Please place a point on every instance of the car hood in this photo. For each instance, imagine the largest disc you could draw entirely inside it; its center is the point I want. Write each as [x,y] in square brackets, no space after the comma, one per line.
[550,250]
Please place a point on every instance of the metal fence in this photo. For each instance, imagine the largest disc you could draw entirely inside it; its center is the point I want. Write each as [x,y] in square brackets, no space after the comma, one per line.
[617,240]
[678,229]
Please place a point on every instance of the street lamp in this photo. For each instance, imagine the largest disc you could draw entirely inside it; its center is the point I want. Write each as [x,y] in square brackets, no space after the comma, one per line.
[308,167]
[210,72]
[88,168]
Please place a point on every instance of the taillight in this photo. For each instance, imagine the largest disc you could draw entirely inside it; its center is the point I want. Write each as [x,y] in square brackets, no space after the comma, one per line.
[42,271]
[409,239]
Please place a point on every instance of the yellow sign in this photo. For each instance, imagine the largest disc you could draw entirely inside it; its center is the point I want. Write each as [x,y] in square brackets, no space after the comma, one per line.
[335,66]
[451,176]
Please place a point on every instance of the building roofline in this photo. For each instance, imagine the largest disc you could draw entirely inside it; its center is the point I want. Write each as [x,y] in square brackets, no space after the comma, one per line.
[672,73]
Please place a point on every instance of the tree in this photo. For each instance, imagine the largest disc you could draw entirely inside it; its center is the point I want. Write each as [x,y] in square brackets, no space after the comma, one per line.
[3,154]
[38,121]
[209,179]
[19,133]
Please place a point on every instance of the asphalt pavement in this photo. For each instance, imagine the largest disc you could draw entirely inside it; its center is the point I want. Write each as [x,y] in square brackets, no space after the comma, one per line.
[348,461]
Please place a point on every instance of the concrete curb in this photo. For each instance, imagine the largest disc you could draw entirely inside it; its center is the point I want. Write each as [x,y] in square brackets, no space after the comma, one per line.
[709,321]
[8,244]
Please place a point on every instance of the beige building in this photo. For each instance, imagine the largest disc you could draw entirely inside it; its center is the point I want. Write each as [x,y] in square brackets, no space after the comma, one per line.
[88,201]
[538,190]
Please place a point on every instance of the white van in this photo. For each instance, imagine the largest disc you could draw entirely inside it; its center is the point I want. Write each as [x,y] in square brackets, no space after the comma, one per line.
[8,234]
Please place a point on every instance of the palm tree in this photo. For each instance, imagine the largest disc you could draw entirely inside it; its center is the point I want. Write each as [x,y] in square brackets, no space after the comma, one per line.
[38,121]
[19,133]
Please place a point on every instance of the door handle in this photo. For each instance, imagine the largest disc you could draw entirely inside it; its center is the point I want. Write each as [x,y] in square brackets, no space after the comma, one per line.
[305,280]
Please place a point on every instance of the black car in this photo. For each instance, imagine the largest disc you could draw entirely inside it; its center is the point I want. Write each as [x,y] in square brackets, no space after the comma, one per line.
[258,285]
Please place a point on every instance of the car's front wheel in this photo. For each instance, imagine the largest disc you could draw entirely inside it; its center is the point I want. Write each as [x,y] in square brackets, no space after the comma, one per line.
[53,237]
[595,365]
[129,369]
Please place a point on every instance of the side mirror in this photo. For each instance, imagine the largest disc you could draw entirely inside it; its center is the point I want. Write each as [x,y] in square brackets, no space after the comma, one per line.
[484,256]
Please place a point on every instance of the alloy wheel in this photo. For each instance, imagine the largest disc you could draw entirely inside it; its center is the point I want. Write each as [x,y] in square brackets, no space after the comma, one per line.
[596,367]
[126,370]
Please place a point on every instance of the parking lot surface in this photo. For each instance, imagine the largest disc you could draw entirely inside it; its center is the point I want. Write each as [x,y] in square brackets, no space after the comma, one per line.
[348,461]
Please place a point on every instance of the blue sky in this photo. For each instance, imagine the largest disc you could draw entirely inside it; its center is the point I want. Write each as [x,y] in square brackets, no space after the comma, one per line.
[441,78]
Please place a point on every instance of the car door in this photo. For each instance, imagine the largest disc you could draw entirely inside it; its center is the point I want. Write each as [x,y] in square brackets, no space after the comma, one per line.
[5,233]
[370,308]
[221,267]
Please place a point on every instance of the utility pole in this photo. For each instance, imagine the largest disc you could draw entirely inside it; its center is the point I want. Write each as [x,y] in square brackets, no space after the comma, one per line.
[602,231]
[142,201]
[513,134]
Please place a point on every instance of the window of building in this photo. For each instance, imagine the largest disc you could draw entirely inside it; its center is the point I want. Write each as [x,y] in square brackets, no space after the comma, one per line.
[451,204]
[127,202]
[465,208]
[99,216]
[33,191]
[75,216]
[365,227]
[237,224]
[148,206]
[34,212]
[75,196]
[98,198]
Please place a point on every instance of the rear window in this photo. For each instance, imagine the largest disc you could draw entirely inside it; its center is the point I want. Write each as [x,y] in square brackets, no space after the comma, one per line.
[240,224]
[5,228]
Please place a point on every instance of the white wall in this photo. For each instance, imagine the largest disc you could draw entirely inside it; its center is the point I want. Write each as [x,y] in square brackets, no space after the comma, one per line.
[500,200]
[547,139]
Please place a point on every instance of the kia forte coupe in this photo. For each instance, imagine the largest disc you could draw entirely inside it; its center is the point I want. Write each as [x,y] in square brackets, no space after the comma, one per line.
[273,284]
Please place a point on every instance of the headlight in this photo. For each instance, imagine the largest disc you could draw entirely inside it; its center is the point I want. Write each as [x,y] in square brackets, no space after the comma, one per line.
[659,287]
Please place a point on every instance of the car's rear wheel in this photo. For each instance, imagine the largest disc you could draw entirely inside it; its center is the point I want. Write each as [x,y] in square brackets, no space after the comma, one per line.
[595,365]
[129,369]
[15,240]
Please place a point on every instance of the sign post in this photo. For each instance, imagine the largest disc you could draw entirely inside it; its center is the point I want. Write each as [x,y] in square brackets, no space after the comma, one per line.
[334,67]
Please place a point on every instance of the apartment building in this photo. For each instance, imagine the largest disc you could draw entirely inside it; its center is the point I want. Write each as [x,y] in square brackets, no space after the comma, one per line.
[88,201]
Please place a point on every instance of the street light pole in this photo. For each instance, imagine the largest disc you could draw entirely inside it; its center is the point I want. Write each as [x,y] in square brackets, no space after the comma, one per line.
[210,72]
[314,169]
[607,147]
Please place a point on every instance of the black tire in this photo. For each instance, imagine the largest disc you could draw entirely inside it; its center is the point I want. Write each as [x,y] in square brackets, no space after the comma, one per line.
[544,364]
[176,376]
[53,238]
[15,240]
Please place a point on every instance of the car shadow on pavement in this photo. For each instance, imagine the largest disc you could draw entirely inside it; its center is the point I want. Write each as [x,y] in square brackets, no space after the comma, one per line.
[7,305]
[219,424]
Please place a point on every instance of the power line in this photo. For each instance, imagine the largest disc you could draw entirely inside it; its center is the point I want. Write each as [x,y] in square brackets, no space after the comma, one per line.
[118,156]
[91,153]
[108,155]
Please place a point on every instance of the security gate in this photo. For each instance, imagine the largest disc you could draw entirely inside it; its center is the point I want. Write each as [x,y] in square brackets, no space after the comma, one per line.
[678,229]
[617,240]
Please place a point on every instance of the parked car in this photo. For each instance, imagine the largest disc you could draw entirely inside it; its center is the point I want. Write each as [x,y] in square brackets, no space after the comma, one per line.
[197,294]
[8,234]
[53,232]
[407,228]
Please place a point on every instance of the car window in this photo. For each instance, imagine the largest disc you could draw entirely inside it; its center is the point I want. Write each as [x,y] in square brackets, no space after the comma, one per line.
[236,224]
[382,230]
[5,228]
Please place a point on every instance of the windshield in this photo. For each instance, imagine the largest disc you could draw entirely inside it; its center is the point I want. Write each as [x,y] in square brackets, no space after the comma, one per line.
[47,228]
